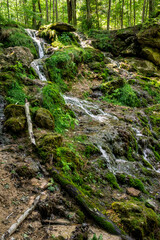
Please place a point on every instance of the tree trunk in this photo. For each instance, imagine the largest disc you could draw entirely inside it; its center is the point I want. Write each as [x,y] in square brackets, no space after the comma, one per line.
[40,10]
[144,9]
[46,10]
[25,16]
[56,11]
[17,9]
[50,7]
[53,11]
[34,11]
[88,5]
[97,13]
[130,12]
[73,5]
[108,15]
[151,8]
[69,10]
[122,10]
[8,8]
[134,6]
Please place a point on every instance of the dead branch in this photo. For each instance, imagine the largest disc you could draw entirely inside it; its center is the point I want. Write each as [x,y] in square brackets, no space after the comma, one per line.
[29,121]
[14,227]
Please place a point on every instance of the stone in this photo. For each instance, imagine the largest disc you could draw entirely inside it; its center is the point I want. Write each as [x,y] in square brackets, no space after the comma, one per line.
[110,86]
[150,203]
[44,119]
[133,192]
[15,124]
[20,54]
[13,110]
[62,27]
[152,54]
[27,170]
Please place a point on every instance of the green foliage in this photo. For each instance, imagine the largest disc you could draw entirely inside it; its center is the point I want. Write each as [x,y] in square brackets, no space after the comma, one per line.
[112,180]
[97,238]
[65,38]
[136,183]
[54,102]
[123,96]
[18,37]
[15,94]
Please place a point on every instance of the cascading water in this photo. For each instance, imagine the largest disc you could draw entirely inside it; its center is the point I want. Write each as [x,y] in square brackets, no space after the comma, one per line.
[38,63]
[88,110]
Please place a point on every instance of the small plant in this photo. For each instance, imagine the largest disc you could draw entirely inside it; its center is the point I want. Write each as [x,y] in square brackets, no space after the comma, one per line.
[97,238]
[16,94]
[112,180]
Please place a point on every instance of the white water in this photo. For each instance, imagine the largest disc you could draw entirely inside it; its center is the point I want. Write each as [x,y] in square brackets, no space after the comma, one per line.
[87,108]
[39,42]
[83,42]
[36,65]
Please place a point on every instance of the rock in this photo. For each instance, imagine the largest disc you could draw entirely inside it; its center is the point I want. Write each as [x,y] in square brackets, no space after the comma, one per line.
[150,203]
[27,170]
[81,232]
[14,54]
[92,55]
[151,54]
[133,192]
[110,86]
[44,119]
[13,110]
[62,27]
[15,124]
[136,219]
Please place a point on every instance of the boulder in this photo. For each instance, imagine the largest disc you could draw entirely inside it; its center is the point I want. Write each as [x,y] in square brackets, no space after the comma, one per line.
[44,119]
[152,54]
[136,219]
[133,192]
[15,124]
[62,27]
[110,86]
[13,54]
[13,110]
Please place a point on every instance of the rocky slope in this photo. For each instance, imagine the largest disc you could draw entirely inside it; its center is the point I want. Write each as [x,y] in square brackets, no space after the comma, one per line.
[97,154]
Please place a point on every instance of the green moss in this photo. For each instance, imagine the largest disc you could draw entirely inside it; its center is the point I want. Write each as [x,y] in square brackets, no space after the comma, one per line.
[137,220]
[16,94]
[90,150]
[112,180]
[146,163]
[15,124]
[81,216]
[17,37]
[92,55]
[13,110]
[44,119]
[136,183]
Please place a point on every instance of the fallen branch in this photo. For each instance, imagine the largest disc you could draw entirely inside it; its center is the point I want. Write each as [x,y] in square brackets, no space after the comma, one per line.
[14,227]
[30,128]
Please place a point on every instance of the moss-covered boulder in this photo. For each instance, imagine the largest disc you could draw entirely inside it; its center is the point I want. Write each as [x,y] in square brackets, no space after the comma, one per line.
[65,155]
[139,221]
[44,119]
[47,145]
[111,86]
[12,36]
[27,170]
[15,124]
[62,27]
[152,54]
[92,55]
[13,110]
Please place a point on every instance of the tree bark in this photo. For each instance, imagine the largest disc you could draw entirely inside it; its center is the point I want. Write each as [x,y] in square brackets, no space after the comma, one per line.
[151,8]
[8,9]
[108,15]
[56,11]
[88,5]
[130,12]
[46,10]
[53,11]
[73,5]
[143,12]
[34,11]
[69,10]
[17,9]
[40,10]
[97,13]
[134,6]
[30,128]
[122,11]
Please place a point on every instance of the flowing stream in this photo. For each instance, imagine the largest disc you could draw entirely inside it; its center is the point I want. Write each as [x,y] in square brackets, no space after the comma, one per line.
[88,112]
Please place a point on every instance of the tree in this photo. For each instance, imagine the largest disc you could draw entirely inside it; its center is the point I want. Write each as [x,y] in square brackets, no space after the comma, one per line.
[89,22]
[108,15]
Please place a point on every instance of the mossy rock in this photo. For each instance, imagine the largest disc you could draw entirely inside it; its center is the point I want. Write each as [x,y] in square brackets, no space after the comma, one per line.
[64,154]
[91,150]
[47,145]
[138,220]
[44,119]
[13,110]
[62,27]
[15,124]
[152,54]
[96,66]
[92,55]
[27,170]
[154,116]
[111,86]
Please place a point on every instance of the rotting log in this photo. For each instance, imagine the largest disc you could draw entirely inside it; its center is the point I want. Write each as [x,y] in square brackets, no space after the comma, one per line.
[29,122]
[86,206]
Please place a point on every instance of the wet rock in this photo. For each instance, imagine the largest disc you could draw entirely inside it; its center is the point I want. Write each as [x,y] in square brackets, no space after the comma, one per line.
[150,203]
[44,119]
[133,192]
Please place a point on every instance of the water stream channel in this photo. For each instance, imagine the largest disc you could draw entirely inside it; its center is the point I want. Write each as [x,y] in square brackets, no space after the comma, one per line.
[96,123]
